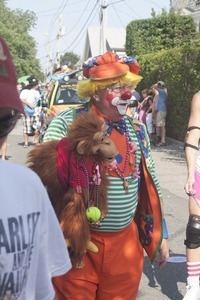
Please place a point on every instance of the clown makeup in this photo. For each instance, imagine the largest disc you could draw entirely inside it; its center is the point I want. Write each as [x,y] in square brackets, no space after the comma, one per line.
[120,88]
[122,98]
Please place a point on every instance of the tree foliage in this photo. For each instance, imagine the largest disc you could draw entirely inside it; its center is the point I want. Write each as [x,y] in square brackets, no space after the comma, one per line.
[168,49]
[15,26]
[70,59]
[165,31]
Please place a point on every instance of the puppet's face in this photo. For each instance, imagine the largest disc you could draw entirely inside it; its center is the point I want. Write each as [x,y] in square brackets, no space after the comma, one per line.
[101,146]
[104,145]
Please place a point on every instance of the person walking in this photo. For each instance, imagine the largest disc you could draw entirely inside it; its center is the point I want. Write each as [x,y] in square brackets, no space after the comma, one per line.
[192,188]
[30,97]
[32,247]
[160,111]
[115,271]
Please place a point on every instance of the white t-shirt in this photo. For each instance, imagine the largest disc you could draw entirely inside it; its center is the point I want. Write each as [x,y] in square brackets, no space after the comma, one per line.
[32,96]
[32,247]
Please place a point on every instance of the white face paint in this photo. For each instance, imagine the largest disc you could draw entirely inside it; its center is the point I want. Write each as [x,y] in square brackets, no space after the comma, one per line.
[121,105]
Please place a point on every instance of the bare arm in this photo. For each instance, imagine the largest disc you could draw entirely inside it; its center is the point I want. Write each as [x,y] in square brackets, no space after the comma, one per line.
[150,106]
[192,138]
[27,103]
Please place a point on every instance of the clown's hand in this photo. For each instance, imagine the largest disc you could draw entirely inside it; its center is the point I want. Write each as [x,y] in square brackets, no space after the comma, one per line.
[90,246]
[163,254]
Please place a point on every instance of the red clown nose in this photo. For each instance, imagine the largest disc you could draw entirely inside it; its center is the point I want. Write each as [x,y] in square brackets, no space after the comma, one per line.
[126,95]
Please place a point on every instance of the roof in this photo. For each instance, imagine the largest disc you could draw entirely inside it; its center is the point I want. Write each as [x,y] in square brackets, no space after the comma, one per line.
[115,39]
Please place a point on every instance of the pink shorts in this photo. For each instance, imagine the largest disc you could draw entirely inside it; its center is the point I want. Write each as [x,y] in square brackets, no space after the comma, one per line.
[197,185]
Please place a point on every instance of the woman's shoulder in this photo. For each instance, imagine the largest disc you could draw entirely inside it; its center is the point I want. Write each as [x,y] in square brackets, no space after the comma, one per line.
[196,97]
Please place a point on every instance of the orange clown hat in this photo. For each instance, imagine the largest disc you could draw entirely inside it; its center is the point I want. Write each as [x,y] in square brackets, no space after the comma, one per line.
[109,65]
[107,69]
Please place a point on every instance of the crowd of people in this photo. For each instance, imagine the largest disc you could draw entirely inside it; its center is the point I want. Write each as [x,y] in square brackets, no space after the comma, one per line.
[151,110]
[34,117]
[135,220]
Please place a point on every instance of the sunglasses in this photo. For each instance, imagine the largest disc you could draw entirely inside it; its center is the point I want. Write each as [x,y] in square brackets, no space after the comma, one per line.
[8,122]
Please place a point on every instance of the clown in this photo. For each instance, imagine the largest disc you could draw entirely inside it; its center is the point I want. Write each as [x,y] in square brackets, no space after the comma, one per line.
[134,220]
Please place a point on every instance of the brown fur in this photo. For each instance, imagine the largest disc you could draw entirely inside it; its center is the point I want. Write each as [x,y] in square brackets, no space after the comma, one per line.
[70,206]
[43,160]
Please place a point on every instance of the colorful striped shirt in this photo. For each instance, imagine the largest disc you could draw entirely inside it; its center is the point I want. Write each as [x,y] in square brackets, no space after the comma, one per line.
[121,205]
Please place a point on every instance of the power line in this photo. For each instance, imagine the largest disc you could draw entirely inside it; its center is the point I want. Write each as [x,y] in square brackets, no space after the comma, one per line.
[83,26]
[83,12]
[62,6]
[82,35]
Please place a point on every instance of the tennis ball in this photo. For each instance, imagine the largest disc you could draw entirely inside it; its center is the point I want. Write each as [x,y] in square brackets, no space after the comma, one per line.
[93,214]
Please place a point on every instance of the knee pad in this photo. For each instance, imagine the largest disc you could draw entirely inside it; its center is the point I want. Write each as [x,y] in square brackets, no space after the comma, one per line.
[193,232]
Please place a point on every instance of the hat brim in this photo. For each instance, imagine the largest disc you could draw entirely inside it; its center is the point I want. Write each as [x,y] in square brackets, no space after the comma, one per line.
[10,97]
[110,77]
[160,83]
[108,71]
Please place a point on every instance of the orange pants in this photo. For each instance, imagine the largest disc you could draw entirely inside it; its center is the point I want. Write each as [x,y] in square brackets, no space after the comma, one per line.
[113,273]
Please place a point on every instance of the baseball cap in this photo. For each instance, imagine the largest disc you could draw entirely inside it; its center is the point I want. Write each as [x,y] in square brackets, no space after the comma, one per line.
[32,80]
[160,83]
[9,96]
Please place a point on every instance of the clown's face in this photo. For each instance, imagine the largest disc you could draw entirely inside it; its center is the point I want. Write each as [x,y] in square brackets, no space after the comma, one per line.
[113,101]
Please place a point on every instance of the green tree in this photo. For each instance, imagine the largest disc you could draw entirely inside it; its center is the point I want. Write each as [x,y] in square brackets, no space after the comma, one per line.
[15,26]
[70,59]
[161,32]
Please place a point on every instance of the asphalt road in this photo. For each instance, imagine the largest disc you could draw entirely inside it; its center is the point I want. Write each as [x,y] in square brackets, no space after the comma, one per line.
[168,283]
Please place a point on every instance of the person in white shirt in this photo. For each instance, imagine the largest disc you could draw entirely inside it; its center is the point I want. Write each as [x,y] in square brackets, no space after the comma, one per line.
[30,97]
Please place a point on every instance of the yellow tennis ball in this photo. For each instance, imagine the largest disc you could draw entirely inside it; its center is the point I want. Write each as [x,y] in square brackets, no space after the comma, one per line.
[93,214]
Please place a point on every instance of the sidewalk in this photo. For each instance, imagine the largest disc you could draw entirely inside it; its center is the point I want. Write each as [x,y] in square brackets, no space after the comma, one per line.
[169,283]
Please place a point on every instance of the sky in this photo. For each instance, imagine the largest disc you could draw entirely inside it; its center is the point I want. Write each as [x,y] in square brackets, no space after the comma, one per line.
[73,17]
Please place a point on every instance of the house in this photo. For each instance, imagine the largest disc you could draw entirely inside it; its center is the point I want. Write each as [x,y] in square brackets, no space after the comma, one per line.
[115,39]
[188,7]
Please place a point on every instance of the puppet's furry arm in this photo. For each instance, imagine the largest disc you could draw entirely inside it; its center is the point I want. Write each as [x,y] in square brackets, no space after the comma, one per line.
[42,159]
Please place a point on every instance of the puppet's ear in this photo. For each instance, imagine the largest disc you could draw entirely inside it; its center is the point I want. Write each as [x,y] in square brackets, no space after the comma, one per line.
[81,147]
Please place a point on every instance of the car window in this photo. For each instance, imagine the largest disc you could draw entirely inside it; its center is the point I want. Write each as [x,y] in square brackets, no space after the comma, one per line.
[66,95]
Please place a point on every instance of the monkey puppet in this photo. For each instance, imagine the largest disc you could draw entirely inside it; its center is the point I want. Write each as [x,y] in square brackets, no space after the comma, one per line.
[72,170]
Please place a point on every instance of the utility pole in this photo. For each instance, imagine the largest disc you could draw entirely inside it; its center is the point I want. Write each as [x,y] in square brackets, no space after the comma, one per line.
[48,56]
[59,35]
[103,26]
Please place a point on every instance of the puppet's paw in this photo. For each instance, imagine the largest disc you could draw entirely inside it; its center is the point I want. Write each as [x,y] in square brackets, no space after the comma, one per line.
[90,246]
[79,265]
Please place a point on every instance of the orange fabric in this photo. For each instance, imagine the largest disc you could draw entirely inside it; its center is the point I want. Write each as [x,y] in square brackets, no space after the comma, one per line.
[112,274]
[120,141]
[109,66]
[149,206]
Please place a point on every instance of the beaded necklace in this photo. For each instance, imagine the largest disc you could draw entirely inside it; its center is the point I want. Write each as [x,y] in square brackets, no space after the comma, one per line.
[95,187]
[93,212]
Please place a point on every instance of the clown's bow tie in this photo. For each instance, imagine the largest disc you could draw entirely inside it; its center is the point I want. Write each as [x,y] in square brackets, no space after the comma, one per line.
[119,126]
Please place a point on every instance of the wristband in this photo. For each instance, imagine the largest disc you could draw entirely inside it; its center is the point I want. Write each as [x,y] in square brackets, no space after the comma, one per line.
[164,228]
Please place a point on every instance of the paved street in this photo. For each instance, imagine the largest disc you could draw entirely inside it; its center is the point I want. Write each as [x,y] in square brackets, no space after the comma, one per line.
[168,283]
